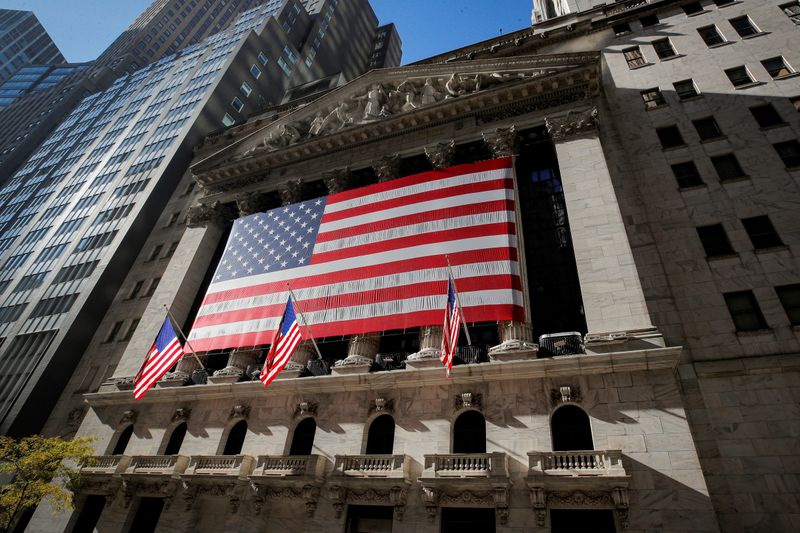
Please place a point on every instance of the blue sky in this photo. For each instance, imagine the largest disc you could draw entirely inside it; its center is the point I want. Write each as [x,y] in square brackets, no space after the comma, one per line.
[83,28]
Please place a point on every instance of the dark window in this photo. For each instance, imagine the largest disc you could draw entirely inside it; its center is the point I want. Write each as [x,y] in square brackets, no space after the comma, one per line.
[122,441]
[369,518]
[744,311]
[664,49]
[112,333]
[89,514]
[176,440]
[233,446]
[721,3]
[571,429]
[692,8]
[131,329]
[766,115]
[743,26]
[622,29]
[715,240]
[649,20]
[710,35]
[777,67]
[137,287]
[151,289]
[463,519]
[789,296]
[795,100]
[147,514]
[789,151]
[582,521]
[727,167]
[761,232]
[686,174]
[707,128]
[792,10]
[739,76]
[685,89]
[634,57]
[653,98]
[380,438]
[303,437]
[469,433]
[670,137]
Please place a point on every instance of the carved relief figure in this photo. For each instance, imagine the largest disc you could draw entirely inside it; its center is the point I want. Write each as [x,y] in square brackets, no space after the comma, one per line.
[430,95]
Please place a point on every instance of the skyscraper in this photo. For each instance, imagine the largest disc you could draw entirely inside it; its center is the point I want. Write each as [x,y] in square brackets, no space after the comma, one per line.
[76,213]
[23,41]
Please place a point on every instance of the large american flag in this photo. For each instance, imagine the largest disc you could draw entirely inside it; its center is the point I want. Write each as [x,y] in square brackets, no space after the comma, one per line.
[370,259]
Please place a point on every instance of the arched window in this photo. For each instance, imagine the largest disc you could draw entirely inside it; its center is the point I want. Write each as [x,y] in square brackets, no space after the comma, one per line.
[303,438]
[469,433]
[233,446]
[380,439]
[122,441]
[176,440]
[571,429]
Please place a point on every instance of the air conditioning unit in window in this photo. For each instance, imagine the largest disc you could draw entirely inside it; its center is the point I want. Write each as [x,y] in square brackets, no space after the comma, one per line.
[565,343]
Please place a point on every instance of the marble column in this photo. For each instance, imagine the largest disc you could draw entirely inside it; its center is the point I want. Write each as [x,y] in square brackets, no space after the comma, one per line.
[613,298]
[361,352]
[516,338]
[387,168]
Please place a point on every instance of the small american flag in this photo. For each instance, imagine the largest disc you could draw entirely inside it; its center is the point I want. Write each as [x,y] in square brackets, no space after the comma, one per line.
[165,352]
[287,337]
[452,325]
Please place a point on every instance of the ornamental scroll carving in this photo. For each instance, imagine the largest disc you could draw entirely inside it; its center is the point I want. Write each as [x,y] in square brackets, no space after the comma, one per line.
[572,124]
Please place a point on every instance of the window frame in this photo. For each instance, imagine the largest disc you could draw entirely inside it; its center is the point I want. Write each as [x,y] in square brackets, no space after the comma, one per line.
[686,81]
[664,53]
[784,71]
[656,101]
[753,312]
[715,241]
[762,232]
[750,27]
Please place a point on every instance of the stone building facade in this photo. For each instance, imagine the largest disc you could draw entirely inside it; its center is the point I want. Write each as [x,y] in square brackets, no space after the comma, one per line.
[657,214]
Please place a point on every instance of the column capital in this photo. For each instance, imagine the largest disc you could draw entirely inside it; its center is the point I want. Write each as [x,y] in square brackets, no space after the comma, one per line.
[252,202]
[441,155]
[503,142]
[337,180]
[387,167]
[573,123]
[202,215]
[292,192]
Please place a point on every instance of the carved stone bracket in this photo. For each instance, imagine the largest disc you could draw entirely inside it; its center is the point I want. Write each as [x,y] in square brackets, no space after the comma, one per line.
[502,142]
[305,408]
[338,496]
[181,414]
[574,123]
[539,504]
[202,215]
[382,405]
[468,400]
[387,168]
[239,411]
[565,393]
[337,180]
[430,499]
[441,155]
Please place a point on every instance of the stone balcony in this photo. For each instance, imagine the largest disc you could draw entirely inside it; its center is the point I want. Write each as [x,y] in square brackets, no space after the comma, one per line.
[376,479]
[108,465]
[466,466]
[372,466]
[157,465]
[282,466]
[592,463]
[230,466]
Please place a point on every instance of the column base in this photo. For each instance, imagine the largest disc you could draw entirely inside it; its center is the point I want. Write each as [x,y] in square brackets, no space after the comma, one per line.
[292,370]
[426,358]
[513,350]
[174,379]
[352,364]
[229,374]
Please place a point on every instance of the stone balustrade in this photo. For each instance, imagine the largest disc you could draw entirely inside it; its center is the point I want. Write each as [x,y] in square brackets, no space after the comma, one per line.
[466,465]
[290,465]
[106,464]
[221,465]
[577,463]
[158,464]
[385,466]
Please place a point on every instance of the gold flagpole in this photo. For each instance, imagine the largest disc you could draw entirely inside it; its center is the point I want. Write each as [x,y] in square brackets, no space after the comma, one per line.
[303,318]
[185,339]
[458,299]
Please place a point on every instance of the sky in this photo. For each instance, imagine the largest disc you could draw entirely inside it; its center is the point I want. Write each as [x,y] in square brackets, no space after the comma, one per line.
[82,29]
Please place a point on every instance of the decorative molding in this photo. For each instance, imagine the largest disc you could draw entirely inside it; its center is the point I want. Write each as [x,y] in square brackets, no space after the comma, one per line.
[574,123]
[468,400]
[579,498]
[306,408]
[564,394]
[181,414]
[382,405]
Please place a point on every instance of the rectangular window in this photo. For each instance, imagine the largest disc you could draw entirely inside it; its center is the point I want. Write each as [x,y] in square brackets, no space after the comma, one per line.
[766,116]
[761,232]
[744,311]
[137,288]
[653,98]
[792,10]
[649,20]
[53,306]
[710,35]
[245,88]
[255,71]
[685,89]
[634,57]
[152,287]
[777,67]
[744,26]
[171,250]
[237,104]
[262,59]
[155,252]
[715,241]
[228,120]
[621,29]
[739,76]
[692,8]
[284,66]
[789,152]
[707,128]
[664,49]
[789,295]
[686,174]
[130,331]
[670,137]
[727,167]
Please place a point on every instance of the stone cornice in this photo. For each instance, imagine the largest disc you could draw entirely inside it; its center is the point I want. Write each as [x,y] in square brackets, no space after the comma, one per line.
[559,367]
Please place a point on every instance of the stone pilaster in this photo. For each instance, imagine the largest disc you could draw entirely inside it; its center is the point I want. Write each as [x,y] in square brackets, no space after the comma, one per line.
[361,353]
[338,180]
[238,361]
[612,293]
[441,155]
[387,168]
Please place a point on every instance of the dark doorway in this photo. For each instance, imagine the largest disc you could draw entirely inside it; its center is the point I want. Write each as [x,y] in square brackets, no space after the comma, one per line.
[176,440]
[122,441]
[303,438]
[582,521]
[571,429]
[461,520]
[233,446]
[369,519]
[469,433]
[90,513]
[380,439]
[147,514]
